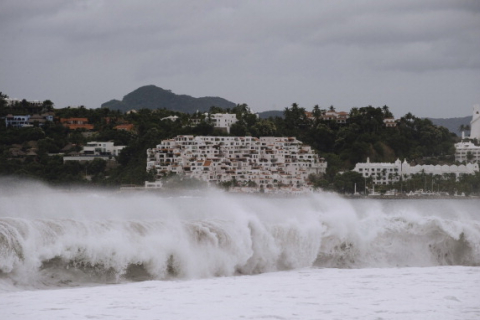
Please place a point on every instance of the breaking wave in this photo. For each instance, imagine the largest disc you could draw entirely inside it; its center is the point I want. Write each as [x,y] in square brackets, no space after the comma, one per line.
[57,238]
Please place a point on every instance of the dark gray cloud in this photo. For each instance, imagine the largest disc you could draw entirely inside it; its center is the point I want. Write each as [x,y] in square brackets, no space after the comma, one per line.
[415,56]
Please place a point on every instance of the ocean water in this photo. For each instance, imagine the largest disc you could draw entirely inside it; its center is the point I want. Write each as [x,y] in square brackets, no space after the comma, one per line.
[93,254]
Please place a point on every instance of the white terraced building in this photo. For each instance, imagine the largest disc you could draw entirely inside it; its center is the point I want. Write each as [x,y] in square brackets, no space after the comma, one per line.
[266,162]
[388,172]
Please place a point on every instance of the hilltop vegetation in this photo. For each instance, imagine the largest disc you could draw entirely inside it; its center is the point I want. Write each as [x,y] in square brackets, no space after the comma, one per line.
[152,97]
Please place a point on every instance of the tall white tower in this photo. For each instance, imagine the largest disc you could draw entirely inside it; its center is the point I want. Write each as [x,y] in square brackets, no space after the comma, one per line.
[475,123]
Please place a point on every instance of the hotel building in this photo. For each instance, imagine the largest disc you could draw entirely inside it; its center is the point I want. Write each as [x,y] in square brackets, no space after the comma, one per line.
[266,163]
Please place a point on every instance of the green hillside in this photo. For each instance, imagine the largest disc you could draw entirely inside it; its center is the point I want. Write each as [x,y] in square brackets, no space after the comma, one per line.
[153,97]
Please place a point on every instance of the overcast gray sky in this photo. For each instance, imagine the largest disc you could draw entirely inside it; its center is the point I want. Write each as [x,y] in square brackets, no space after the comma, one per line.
[419,56]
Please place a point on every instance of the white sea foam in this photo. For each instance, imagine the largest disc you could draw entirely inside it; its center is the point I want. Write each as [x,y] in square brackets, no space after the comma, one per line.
[57,238]
[446,293]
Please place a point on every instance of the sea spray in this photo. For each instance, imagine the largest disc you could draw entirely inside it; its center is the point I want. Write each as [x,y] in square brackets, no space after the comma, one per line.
[50,237]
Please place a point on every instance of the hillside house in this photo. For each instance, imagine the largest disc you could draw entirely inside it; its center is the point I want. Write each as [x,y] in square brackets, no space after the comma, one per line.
[94,150]
[76,123]
[332,115]
[390,122]
[221,121]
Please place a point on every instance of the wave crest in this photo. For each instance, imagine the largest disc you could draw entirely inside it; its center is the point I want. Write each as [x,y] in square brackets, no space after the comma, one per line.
[229,236]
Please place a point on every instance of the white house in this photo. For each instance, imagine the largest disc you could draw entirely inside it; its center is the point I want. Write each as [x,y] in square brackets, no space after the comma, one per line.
[339,117]
[96,150]
[17,121]
[390,122]
[223,120]
[101,148]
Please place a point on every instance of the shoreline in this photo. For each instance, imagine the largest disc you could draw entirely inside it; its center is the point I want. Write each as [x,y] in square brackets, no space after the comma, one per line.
[199,192]
[405,197]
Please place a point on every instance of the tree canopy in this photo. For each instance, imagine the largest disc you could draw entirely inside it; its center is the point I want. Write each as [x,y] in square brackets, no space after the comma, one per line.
[343,144]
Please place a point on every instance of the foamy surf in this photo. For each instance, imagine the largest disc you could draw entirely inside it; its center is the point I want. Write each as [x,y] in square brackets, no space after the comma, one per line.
[50,238]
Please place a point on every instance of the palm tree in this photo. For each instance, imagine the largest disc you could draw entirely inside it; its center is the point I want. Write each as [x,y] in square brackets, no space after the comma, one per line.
[354,112]
[386,112]
[316,112]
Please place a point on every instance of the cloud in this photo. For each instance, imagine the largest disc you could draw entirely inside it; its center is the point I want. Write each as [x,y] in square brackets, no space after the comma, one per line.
[265,53]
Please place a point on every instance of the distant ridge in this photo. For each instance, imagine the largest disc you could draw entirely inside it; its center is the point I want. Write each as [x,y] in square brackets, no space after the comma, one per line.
[153,97]
[452,124]
[271,113]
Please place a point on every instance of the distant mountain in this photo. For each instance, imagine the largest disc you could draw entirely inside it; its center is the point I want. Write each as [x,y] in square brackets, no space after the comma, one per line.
[452,124]
[153,97]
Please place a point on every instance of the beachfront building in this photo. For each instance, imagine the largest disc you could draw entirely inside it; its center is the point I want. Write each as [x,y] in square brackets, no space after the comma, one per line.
[266,163]
[386,173]
[380,172]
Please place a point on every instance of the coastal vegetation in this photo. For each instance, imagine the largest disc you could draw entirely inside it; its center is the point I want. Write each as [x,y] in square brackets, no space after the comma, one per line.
[37,152]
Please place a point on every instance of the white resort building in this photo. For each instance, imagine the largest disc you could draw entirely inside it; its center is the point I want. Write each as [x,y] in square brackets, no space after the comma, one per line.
[266,163]
[386,172]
